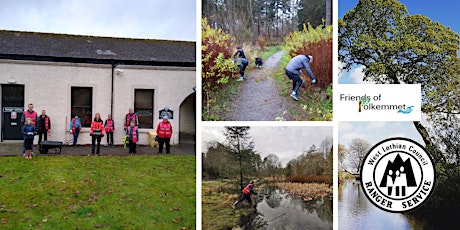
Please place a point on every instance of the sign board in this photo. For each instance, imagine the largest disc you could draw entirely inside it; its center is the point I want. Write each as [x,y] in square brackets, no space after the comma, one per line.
[165,112]
[13,109]
[14,115]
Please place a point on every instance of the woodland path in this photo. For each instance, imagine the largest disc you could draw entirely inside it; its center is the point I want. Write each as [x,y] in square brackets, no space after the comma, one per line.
[259,98]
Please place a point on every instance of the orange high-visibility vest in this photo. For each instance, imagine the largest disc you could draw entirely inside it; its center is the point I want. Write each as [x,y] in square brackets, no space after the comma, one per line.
[133,134]
[246,190]
[109,127]
[164,130]
[32,115]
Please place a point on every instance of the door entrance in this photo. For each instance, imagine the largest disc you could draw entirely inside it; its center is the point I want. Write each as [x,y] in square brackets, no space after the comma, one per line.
[12,109]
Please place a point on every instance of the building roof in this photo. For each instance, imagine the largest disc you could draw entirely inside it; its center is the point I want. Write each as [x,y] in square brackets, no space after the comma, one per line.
[89,49]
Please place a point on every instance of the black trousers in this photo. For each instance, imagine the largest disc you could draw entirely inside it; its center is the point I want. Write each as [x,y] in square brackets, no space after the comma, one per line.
[45,136]
[28,143]
[245,197]
[93,144]
[296,80]
[162,141]
[109,138]
[132,147]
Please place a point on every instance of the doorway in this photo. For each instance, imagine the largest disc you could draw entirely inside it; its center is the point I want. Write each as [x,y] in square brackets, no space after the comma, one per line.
[12,109]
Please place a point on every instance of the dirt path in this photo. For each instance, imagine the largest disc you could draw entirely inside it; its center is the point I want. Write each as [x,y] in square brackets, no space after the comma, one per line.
[259,99]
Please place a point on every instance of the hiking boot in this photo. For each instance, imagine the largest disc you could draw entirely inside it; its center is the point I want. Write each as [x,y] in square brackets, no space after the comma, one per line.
[240,79]
[294,96]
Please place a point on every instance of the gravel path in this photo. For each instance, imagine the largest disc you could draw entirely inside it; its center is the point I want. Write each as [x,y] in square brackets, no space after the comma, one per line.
[259,99]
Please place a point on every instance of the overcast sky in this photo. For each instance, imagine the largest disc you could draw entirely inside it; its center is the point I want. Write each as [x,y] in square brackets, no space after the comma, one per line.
[149,19]
[285,142]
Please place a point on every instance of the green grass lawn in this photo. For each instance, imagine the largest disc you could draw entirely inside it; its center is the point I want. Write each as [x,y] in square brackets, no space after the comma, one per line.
[72,192]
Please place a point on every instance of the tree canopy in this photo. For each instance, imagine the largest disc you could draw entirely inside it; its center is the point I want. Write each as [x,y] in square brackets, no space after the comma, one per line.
[398,48]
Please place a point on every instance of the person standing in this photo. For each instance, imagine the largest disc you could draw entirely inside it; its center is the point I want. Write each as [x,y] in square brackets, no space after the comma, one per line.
[164,132]
[133,136]
[109,129]
[131,116]
[96,132]
[43,126]
[246,194]
[29,113]
[239,53]
[294,69]
[75,128]
[242,63]
[28,132]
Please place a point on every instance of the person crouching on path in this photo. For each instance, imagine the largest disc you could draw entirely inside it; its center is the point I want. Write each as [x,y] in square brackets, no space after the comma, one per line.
[75,128]
[96,132]
[164,132]
[294,70]
[43,127]
[246,194]
[109,129]
[242,63]
[133,136]
[28,131]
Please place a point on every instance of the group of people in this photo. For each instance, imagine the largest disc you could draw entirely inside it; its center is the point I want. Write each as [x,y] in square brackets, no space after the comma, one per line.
[293,69]
[41,124]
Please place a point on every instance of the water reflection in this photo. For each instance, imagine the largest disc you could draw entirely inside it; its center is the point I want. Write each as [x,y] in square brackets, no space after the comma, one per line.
[276,209]
[356,212]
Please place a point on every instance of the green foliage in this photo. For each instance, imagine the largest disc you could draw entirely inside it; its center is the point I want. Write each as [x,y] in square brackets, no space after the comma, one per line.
[396,47]
[216,62]
[129,192]
[442,209]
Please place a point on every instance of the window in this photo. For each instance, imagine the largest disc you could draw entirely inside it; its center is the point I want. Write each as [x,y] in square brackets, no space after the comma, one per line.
[82,104]
[143,107]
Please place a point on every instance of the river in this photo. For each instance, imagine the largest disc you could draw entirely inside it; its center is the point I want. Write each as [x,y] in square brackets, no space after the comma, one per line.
[355,211]
[276,209]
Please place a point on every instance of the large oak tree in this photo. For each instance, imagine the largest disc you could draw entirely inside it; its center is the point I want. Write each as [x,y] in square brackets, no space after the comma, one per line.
[398,48]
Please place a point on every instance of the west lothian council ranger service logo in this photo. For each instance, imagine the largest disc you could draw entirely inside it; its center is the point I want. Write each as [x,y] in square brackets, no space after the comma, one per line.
[397,175]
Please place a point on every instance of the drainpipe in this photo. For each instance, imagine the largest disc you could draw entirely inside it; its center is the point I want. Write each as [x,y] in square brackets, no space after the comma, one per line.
[111,94]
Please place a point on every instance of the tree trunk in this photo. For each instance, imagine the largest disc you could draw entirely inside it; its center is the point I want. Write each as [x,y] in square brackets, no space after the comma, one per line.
[253,26]
[429,145]
[239,158]
[328,12]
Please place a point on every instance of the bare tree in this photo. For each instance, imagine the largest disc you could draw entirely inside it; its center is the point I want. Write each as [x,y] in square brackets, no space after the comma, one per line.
[357,151]
[342,150]
[272,164]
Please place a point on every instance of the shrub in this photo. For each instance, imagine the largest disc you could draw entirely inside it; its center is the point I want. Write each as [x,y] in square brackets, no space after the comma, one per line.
[216,62]
[309,179]
[317,42]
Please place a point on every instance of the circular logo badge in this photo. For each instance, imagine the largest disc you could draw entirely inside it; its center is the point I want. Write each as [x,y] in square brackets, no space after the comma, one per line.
[397,175]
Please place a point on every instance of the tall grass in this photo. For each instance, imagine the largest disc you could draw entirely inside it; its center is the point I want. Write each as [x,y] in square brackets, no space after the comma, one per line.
[313,190]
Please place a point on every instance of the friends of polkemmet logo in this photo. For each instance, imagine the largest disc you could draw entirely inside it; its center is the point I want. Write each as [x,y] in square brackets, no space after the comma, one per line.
[374,103]
[397,175]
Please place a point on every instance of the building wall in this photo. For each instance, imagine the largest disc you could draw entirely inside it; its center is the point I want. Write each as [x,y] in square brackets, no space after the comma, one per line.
[48,86]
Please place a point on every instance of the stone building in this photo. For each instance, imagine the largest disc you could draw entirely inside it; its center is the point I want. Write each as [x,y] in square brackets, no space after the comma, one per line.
[66,74]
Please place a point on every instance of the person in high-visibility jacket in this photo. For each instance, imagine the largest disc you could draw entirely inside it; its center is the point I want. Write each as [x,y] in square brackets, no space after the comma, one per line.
[133,136]
[109,130]
[164,132]
[96,132]
[246,194]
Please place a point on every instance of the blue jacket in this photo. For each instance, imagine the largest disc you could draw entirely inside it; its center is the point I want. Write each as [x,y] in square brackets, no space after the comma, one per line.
[297,63]
[26,129]
[241,61]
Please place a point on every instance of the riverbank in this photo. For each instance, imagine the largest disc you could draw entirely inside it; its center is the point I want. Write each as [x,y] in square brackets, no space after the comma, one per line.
[217,200]
[306,190]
